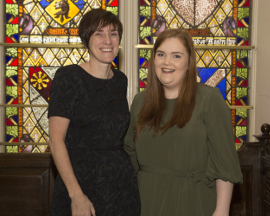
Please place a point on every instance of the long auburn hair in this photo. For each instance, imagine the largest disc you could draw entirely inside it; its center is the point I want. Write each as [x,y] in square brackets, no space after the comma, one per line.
[154,104]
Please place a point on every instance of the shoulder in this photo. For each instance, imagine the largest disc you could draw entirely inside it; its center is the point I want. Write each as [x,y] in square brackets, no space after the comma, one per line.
[206,92]
[119,74]
[137,102]
[139,97]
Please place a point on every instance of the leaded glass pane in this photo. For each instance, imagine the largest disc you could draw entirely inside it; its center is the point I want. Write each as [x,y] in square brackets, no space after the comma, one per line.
[30,71]
[211,23]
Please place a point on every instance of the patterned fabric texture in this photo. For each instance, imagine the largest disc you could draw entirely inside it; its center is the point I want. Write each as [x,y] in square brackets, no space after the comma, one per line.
[99,117]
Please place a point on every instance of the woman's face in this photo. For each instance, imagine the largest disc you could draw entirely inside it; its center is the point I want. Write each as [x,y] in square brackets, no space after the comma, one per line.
[104,45]
[171,64]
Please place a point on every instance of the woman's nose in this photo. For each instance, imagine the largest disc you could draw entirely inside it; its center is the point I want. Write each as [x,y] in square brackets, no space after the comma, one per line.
[107,39]
[167,60]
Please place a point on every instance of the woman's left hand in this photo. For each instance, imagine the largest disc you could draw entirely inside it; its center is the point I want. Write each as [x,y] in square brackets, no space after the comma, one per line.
[217,213]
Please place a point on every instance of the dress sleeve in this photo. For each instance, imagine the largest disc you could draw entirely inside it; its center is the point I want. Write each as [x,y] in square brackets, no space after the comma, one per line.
[223,162]
[129,143]
[62,94]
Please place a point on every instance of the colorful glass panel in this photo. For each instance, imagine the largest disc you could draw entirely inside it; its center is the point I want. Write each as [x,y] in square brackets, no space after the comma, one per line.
[30,71]
[211,23]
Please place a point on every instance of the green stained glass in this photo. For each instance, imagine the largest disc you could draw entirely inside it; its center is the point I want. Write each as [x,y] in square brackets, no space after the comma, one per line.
[243,33]
[11,111]
[12,131]
[30,70]
[12,51]
[241,92]
[242,54]
[145,32]
[225,23]
[240,131]
[12,9]
[242,13]
[145,11]
[12,149]
[242,73]
[114,10]
[11,71]
[12,91]
[242,113]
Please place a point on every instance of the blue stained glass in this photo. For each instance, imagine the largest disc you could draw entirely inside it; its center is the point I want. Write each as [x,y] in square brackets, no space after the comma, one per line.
[8,98]
[7,59]
[245,99]
[239,40]
[15,118]
[16,37]
[8,16]
[244,138]
[8,137]
[246,20]
[115,60]
[206,73]
[81,3]
[142,19]
[15,78]
[44,3]
[222,88]
[141,61]
[245,60]
[149,39]
[237,118]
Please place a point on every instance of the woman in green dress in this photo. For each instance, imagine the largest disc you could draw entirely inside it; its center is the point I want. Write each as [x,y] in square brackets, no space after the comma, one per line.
[180,137]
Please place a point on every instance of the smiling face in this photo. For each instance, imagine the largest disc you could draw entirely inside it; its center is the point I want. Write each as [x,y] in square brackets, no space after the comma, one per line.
[171,63]
[104,45]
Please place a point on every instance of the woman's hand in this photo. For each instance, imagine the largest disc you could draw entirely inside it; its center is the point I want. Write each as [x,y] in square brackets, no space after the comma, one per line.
[82,206]
[216,213]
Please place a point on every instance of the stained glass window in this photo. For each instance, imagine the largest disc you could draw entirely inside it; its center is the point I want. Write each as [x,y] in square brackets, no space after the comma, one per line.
[52,24]
[221,34]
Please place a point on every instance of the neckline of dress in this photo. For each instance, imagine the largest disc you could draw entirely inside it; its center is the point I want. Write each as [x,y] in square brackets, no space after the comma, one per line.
[113,70]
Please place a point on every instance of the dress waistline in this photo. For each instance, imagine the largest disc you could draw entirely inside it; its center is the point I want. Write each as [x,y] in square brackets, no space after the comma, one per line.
[98,149]
[195,176]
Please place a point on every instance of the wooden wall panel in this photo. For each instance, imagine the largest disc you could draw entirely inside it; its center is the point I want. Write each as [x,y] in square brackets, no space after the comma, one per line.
[26,184]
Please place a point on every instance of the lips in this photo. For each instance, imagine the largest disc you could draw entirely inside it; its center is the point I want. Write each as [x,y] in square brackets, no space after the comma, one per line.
[106,50]
[166,70]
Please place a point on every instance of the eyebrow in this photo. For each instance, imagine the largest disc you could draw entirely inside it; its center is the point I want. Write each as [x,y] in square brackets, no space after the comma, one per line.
[172,52]
[101,30]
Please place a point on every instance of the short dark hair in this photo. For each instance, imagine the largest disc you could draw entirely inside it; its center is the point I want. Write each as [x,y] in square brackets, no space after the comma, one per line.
[98,18]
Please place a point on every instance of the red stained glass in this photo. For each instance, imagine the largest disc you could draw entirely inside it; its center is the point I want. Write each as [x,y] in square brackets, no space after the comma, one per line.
[15,21]
[239,64]
[114,4]
[8,40]
[9,2]
[14,63]
[8,122]
[240,24]
[8,82]
[142,85]
[244,84]
[244,123]
[246,4]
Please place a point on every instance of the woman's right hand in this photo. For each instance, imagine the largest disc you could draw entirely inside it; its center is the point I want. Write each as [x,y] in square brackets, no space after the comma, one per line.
[82,206]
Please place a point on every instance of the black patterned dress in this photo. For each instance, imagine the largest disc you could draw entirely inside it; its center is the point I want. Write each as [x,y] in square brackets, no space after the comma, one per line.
[99,117]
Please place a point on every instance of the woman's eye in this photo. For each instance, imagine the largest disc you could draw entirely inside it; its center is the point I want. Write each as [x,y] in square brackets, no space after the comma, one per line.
[177,56]
[160,54]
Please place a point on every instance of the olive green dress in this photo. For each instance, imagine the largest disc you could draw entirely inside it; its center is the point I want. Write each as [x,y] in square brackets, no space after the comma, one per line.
[177,170]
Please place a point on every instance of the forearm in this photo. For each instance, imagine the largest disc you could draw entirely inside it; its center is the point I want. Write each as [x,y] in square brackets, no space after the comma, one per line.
[224,195]
[63,164]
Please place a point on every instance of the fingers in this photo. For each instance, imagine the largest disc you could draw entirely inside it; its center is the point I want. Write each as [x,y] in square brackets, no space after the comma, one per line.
[92,210]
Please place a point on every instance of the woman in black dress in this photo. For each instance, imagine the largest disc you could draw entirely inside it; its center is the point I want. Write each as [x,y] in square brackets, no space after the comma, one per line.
[88,118]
